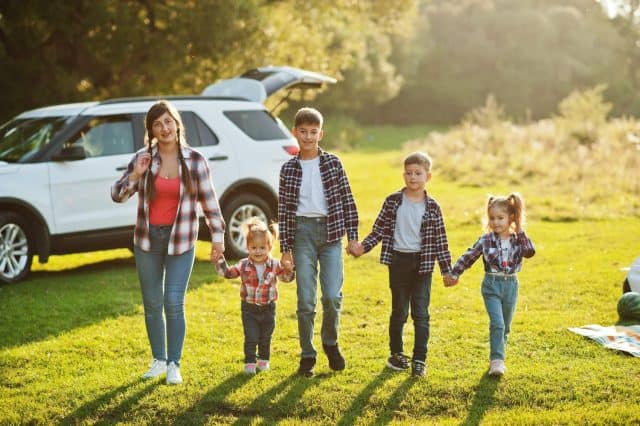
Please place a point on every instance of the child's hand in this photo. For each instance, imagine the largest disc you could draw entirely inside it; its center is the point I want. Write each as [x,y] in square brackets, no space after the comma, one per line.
[449,280]
[287,262]
[355,248]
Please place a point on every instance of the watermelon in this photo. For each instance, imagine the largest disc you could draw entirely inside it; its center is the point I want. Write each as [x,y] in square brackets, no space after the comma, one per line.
[629,307]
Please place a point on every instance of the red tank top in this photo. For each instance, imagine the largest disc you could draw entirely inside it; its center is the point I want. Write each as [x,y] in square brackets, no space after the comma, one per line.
[164,208]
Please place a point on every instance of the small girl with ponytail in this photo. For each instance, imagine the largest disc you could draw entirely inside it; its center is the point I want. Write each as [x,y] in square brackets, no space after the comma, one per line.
[259,274]
[502,248]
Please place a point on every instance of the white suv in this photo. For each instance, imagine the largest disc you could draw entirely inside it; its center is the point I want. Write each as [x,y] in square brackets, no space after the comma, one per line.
[57,165]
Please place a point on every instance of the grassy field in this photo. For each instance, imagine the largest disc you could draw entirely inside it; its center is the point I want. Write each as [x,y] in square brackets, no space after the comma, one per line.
[73,344]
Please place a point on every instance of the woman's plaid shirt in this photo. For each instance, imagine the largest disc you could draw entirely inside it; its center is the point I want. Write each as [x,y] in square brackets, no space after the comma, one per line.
[251,290]
[185,228]
[488,246]
[434,245]
[342,216]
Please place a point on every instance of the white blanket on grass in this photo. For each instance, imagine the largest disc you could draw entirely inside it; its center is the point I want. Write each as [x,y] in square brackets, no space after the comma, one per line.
[626,339]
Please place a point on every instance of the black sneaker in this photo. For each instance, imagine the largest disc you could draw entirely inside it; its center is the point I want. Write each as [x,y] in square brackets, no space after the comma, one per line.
[418,368]
[306,367]
[398,362]
[336,360]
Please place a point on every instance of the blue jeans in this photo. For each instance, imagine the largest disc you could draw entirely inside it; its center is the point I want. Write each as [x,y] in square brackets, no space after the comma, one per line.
[163,281]
[310,249]
[500,294]
[408,288]
[258,323]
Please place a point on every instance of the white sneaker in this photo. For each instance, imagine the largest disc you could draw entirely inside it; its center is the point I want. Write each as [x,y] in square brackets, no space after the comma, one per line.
[263,364]
[173,374]
[250,368]
[497,367]
[156,368]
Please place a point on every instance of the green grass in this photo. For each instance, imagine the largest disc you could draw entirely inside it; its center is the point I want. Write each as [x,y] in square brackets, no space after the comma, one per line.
[73,343]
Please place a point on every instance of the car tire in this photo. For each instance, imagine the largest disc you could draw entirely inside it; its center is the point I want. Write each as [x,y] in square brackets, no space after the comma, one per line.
[16,248]
[237,211]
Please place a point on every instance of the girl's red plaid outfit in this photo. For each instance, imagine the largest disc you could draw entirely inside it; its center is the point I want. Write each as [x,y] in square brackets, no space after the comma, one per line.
[184,232]
[251,289]
[434,245]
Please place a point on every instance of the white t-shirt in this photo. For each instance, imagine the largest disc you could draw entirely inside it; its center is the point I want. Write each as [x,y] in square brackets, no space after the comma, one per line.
[312,201]
[406,235]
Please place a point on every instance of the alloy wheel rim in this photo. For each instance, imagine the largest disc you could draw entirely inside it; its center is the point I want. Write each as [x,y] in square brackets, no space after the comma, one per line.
[14,251]
[238,218]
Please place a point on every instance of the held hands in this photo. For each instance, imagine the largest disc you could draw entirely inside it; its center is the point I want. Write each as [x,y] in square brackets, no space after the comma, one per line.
[217,251]
[355,249]
[449,280]
[287,262]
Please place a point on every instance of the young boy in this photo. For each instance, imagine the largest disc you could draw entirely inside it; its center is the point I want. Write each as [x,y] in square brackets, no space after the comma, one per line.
[315,210]
[411,228]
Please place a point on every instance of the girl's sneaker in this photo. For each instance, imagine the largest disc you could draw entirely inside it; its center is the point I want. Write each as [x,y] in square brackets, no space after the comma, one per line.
[156,368]
[263,364]
[250,368]
[173,374]
[496,367]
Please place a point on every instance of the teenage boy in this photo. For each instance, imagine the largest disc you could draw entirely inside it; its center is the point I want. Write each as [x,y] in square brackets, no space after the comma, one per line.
[315,210]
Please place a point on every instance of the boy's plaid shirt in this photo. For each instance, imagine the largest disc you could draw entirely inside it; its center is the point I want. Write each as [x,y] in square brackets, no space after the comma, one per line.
[488,246]
[342,216]
[185,228]
[434,245]
[251,291]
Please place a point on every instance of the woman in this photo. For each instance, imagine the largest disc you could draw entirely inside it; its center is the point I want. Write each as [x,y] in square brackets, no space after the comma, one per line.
[171,179]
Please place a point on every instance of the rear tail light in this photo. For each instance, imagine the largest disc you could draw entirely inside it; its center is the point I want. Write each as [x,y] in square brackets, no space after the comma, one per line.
[292,149]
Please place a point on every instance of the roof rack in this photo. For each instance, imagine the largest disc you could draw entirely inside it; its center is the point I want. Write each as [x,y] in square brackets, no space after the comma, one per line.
[170,98]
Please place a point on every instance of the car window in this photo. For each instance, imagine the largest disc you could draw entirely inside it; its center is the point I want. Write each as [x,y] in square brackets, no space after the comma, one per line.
[102,136]
[259,125]
[20,139]
[207,137]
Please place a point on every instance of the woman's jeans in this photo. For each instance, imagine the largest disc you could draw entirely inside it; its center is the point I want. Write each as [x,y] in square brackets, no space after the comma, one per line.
[258,322]
[408,288]
[163,281]
[500,293]
[311,248]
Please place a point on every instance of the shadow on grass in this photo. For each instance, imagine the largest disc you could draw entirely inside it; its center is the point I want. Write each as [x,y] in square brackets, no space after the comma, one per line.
[100,410]
[360,402]
[483,399]
[387,413]
[53,302]
[267,407]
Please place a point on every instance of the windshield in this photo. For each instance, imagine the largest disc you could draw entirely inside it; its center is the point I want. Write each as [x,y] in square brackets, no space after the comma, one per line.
[21,138]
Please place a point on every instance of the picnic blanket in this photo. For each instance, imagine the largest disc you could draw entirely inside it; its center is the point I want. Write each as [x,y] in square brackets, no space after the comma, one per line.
[626,339]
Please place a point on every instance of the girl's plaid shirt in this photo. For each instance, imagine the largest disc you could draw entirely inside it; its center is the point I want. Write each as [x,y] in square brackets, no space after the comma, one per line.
[488,246]
[251,291]
[185,228]
[434,245]
[342,216]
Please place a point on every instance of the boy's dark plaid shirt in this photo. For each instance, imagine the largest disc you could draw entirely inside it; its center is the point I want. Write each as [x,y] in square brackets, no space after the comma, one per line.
[434,245]
[487,246]
[342,216]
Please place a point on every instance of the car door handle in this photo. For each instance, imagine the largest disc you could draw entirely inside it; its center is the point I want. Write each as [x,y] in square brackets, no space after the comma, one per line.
[219,158]
[121,168]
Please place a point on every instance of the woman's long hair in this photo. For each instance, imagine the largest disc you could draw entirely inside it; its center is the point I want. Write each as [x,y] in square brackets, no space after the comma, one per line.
[156,110]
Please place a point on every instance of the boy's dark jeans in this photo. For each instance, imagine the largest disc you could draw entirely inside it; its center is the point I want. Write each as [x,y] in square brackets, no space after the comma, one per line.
[409,289]
[258,322]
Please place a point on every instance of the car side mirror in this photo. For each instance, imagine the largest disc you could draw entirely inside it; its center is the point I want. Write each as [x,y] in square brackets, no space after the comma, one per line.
[71,153]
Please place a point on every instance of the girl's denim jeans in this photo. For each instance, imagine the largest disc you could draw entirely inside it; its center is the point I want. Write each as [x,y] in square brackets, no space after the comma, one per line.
[310,249]
[500,294]
[258,322]
[408,288]
[163,281]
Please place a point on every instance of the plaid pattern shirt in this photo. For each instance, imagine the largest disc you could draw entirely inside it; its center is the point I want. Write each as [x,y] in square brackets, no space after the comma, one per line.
[251,289]
[433,246]
[342,216]
[185,228]
[488,246]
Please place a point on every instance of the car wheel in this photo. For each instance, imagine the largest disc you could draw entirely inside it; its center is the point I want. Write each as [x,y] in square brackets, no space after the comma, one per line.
[16,250]
[236,212]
